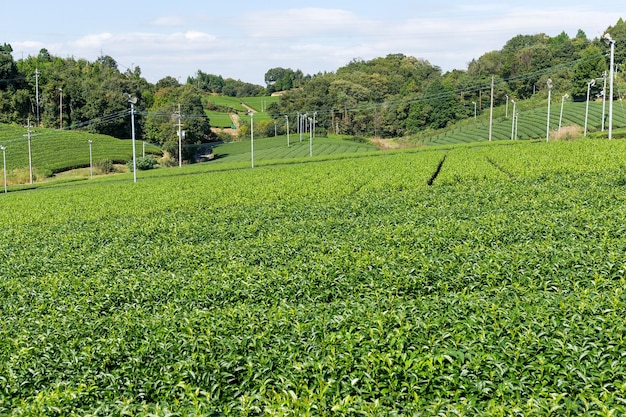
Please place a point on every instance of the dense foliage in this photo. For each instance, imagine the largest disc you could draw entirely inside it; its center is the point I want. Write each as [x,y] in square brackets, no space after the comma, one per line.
[347,287]
[228,87]
[399,95]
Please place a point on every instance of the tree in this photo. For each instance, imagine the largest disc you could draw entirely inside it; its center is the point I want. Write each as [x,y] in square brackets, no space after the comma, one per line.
[8,69]
[591,66]
[435,110]
[279,79]
[167,82]
[107,61]
[162,120]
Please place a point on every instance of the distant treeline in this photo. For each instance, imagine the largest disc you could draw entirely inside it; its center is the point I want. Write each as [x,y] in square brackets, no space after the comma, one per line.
[390,96]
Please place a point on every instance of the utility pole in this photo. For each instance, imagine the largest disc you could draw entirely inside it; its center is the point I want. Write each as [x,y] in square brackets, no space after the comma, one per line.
[604,75]
[180,139]
[90,160]
[30,154]
[491,109]
[37,73]
[133,101]
[513,121]
[506,114]
[611,41]
[310,136]
[4,166]
[298,124]
[61,108]
[549,83]
[251,137]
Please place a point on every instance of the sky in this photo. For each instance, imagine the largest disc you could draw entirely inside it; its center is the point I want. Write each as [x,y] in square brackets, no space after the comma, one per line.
[244,39]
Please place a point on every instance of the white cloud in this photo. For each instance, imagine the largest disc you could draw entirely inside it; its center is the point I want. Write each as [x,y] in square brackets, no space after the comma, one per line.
[168,21]
[319,39]
[92,41]
[305,22]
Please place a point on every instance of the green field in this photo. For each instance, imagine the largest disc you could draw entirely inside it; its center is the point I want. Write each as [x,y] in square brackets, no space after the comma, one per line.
[275,148]
[483,280]
[531,124]
[238,104]
[226,101]
[218,119]
[59,150]
[258,104]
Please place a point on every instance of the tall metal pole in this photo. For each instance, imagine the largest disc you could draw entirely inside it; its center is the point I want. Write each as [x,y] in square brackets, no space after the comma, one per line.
[4,166]
[491,109]
[310,137]
[30,153]
[474,103]
[548,117]
[132,126]
[252,138]
[513,120]
[287,119]
[561,115]
[506,114]
[298,124]
[180,140]
[611,77]
[589,85]
[90,161]
[61,108]
[604,75]
[37,73]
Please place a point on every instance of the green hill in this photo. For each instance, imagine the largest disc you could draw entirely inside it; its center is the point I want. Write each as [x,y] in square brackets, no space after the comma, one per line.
[531,124]
[60,150]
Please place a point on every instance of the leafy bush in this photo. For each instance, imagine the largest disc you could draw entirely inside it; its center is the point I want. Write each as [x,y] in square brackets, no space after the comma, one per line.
[105,166]
[143,163]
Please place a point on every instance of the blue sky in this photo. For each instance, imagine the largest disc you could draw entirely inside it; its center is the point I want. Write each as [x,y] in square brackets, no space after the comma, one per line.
[243,39]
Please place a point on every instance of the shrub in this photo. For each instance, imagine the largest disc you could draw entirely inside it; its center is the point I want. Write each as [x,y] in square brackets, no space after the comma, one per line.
[105,166]
[143,163]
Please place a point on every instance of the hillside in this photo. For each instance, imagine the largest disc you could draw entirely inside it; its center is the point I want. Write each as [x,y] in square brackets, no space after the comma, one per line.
[61,150]
[531,123]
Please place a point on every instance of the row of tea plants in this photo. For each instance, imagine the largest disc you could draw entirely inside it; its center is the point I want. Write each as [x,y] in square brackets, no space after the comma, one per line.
[345,287]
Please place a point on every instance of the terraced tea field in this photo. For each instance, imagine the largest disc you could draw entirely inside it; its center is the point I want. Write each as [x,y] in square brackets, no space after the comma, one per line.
[60,150]
[338,287]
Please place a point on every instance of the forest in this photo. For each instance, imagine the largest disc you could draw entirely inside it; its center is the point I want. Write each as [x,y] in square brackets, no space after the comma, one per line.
[391,96]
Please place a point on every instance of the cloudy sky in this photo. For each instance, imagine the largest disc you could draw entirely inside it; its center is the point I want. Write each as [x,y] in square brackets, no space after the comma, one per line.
[243,39]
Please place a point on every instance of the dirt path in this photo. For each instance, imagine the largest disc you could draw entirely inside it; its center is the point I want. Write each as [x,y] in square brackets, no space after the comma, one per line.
[248,107]
[235,118]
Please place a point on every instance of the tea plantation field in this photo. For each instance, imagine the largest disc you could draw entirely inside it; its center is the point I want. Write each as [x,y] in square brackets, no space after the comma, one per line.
[476,281]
